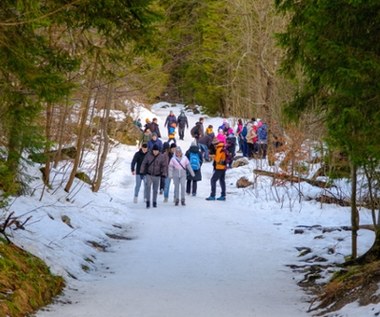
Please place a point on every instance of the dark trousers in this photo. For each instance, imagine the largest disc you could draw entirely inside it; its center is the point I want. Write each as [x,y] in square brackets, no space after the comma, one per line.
[219,175]
[188,186]
[181,132]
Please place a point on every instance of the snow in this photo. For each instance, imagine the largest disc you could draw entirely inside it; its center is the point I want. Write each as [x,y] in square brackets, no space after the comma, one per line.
[205,259]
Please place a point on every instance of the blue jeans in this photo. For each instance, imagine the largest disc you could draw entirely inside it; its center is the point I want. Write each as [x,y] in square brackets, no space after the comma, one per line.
[204,149]
[139,180]
[166,188]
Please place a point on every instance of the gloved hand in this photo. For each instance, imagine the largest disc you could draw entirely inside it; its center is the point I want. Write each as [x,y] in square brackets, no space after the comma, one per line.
[142,176]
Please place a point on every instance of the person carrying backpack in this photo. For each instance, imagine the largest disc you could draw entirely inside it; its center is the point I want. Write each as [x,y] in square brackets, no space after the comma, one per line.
[220,167]
[182,122]
[262,136]
[195,158]
[178,167]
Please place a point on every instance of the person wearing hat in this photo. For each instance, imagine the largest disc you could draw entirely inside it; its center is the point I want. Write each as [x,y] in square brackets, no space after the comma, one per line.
[219,174]
[155,140]
[137,160]
[153,167]
[178,167]
[182,124]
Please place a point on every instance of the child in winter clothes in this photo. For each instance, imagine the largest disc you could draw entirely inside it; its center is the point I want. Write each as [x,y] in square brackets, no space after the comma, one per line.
[178,166]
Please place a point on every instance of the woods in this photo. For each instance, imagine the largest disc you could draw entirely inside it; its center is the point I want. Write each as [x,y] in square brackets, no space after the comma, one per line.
[310,69]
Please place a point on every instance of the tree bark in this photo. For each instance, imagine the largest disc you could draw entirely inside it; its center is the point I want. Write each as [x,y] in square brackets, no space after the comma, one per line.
[104,144]
[82,126]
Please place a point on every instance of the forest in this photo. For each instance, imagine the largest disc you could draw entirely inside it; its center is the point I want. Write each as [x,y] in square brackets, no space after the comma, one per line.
[311,69]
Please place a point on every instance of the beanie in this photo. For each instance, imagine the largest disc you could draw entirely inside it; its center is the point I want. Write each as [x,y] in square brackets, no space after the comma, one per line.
[173,145]
[155,147]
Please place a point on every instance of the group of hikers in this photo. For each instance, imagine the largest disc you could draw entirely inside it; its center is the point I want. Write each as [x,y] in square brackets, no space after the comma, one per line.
[158,163]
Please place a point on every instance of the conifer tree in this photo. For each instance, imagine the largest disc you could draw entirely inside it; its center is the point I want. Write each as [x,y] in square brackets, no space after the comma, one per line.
[336,46]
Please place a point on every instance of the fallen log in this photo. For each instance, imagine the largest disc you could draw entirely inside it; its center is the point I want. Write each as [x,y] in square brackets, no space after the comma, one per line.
[292,178]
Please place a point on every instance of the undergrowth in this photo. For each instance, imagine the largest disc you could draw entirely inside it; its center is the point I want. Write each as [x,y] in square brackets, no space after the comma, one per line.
[26,283]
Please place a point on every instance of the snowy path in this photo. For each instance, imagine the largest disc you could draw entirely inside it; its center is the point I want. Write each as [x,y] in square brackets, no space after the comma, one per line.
[207,259]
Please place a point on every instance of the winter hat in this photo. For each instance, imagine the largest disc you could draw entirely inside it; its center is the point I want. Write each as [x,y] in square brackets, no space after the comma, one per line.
[165,146]
[173,145]
[178,149]
[154,134]
[155,147]
[144,145]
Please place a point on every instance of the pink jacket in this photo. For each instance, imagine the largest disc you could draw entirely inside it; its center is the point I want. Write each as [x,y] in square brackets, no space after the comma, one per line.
[178,167]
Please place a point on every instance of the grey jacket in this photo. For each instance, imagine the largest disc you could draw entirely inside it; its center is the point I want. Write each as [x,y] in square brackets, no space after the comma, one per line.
[154,165]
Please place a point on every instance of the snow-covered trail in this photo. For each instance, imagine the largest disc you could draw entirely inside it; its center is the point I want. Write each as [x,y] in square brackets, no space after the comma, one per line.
[207,259]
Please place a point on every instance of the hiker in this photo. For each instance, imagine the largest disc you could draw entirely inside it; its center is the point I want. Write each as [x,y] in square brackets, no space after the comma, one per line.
[204,144]
[195,158]
[240,137]
[198,131]
[219,174]
[210,131]
[146,136]
[262,139]
[221,136]
[182,122]
[171,118]
[137,160]
[153,166]
[171,132]
[230,148]
[169,152]
[154,140]
[178,166]
[138,124]
[155,128]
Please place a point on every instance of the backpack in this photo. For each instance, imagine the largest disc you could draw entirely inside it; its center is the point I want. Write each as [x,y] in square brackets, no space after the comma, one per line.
[262,133]
[194,132]
[194,161]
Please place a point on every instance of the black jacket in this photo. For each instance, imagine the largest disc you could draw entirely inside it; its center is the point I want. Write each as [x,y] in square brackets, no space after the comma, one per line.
[137,161]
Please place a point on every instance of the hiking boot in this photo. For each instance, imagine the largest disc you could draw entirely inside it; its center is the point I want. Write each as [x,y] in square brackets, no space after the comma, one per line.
[147,204]
[161,191]
[154,204]
[177,202]
[165,199]
[135,200]
[222,198]
[194,194]
[210,198]
[183,202]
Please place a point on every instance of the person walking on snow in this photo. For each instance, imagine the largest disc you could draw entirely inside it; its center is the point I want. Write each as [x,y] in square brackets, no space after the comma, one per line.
[171,118]
[178,166]
[182,124]
[195,158]
[168,155]
[220,167]
[137,160]
[153,166]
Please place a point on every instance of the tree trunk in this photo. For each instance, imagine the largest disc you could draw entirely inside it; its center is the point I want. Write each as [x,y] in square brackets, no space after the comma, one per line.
[103,148]
[354,212]
[49,118]
[82,126]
